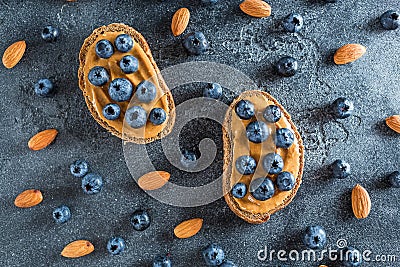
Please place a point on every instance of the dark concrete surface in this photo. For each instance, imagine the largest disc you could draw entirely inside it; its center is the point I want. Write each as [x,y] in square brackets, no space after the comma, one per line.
[29,237]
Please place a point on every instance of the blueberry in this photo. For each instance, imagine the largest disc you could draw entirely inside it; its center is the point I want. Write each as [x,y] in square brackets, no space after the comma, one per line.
[314,237]
[189,158]
[146,91]
[61,214]
[284,138]
[162,261]
[140,220]
[262,188]
[111,111]
[244,109]
[342,108]
[79,168]
[44,88]
[272,114]
[273,163]
[104,49]
[120,90]
[98,76]
[195,43]
[246,165]
[213,90]
[285,181]
[293,23]
[394,179]
[390,20]
[116,245]
[129,64]
[239,190]
[123,43]
[352,257]
[157,116]
[213,255]
[50,34]
[92,183]
[228,264]
[341,169]
[257,131]
[207,2]
[287,66]
[136,117]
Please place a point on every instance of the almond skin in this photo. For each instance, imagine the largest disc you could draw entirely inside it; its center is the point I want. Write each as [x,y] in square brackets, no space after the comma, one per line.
[349,53]
[188,228]
[180,20]
[256,8]
[153,180]
[13,54]
[77,249]
[393,123]
[28,198]
[42,139]
[360,202]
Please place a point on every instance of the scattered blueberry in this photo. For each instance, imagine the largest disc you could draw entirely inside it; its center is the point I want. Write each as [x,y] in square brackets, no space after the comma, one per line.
[116,245]
[257,131]
[92,183]
[262,188]
[120,89]
[79,168]
[140,220]
[123,43]
[314,237]
[287,66]
[213,255]
[146,91]
[50,34]
[244,109]
[157,116]
[284,138]
[394,179]
[342,108]
[162,261]
[293,23]
[390,20]
[44,88]
[129,64]
[341,169]
[61,214]
[285,181]
[189,158]
[273,163]
[246,165]
[111,111]
[98,76]
[213,90]
[136,117]
[207,2]
[104,49]
[239,190]
[272,114]
[195,43]
[352,257]
[228,264]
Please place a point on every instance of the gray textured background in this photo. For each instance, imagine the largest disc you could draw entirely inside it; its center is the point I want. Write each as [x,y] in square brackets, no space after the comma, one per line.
[29,237]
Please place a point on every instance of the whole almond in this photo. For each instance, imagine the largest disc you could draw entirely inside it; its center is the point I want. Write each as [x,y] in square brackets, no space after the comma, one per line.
[349,53]
[153,180]
[13,54]
[188,228]
[360,202]
[28,198]
[180,20]
[256,8]
[42,139]
[77,249]
[393,122]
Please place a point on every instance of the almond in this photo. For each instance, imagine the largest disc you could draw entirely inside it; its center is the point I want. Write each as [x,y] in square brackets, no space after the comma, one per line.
[349,53]
[180,20]
[188,228]
[28,198]
[77,249]
[256,8]
[393,123]
[360,202]
[13,54]
[42,139]
[153,180]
